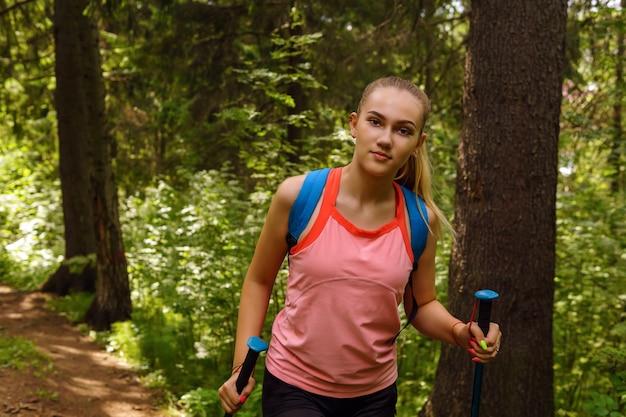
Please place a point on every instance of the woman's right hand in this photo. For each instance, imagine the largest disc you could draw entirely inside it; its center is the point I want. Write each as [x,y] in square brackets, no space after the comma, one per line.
[229,397]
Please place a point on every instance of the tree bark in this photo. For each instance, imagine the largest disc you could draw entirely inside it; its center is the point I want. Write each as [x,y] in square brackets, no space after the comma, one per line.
[505,212]
[88,184]
[112,302]
[74,163]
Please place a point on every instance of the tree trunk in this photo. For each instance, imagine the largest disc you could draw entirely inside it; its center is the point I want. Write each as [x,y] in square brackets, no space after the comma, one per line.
[112,302]
[88,185]
[616,158]
[74,163]
[506,206]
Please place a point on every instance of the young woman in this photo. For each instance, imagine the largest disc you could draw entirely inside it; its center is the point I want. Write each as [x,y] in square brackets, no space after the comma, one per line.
[330,352]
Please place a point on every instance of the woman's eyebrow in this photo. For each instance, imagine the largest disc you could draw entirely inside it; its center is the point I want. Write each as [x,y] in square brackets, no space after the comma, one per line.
[379,115]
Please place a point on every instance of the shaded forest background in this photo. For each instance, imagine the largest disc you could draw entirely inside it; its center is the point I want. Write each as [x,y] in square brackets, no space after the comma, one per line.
[210,105]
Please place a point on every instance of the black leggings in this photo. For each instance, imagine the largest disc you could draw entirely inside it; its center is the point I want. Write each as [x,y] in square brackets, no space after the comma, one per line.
[283,400]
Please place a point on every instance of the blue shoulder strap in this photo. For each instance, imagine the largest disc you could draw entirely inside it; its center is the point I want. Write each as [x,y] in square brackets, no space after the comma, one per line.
[310,193]
[418,219]
[305,203]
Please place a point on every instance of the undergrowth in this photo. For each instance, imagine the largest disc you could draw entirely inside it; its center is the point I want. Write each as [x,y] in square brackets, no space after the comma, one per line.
[17,353]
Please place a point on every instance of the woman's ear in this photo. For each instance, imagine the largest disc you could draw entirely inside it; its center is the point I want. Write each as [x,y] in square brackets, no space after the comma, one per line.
[420,143]
[353,120]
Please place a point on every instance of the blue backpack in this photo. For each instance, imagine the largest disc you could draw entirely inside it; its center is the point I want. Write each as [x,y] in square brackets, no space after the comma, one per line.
[307,200]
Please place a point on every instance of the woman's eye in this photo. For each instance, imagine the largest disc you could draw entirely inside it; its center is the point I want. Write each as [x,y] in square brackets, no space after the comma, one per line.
[405,131]
[374,122]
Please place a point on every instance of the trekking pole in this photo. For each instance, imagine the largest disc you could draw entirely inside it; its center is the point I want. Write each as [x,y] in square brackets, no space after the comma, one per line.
[256,345]
[484,297]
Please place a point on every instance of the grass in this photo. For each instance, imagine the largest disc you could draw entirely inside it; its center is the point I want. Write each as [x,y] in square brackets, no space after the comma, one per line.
[18,353]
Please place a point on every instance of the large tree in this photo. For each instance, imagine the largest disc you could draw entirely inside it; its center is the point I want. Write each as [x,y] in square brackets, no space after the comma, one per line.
[506,205]
[88,185]
[112,302]
[74,164]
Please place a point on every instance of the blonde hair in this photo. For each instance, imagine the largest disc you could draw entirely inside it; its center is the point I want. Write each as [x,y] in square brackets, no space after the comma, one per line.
[416,173]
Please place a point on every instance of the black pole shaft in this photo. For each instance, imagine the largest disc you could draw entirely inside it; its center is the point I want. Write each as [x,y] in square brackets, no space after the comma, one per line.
[484,317]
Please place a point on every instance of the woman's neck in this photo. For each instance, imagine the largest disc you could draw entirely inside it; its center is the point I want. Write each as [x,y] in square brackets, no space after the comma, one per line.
[365,189]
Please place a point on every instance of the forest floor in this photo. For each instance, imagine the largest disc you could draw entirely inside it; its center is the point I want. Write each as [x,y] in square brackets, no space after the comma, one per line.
[83,380]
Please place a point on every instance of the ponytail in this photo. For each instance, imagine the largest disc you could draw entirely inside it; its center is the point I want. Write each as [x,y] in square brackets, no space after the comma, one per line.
[416,175]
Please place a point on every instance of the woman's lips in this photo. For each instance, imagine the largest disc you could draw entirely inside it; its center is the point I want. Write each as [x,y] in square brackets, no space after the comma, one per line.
[381,156]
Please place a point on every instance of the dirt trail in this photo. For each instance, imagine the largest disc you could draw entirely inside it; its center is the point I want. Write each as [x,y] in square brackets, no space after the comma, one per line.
[86,381]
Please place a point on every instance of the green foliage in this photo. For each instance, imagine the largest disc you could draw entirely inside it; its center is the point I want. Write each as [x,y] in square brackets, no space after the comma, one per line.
[124,341]
[187,255]
[18,353]
[417,362]
[73,306]
[48,395]
[30,214]
[590,298]
[590,301]
[26,81]
[602,405]
[202,403]
[77,264]
[205,403]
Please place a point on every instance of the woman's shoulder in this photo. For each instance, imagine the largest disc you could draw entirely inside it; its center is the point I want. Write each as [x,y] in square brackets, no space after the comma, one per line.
[431,215]
[288,190]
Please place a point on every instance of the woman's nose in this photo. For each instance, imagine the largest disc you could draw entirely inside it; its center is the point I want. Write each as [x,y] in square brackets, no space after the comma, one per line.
[384,139]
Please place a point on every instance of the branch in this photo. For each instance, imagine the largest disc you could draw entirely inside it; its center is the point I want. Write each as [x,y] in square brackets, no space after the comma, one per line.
[15,6]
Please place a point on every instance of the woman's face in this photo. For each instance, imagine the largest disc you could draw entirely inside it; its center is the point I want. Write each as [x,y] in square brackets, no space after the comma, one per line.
[387,130]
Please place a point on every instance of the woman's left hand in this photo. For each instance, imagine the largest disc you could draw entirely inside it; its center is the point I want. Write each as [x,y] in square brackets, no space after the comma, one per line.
[484,349]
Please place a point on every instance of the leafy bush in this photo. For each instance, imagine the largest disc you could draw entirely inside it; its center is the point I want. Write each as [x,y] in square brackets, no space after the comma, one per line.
[590,297]
[31,225]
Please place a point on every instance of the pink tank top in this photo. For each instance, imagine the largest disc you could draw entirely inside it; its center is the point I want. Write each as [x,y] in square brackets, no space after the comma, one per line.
[341,309]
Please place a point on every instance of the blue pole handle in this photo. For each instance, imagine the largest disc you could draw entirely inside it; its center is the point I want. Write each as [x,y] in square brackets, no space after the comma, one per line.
[485,298]
[256,345]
